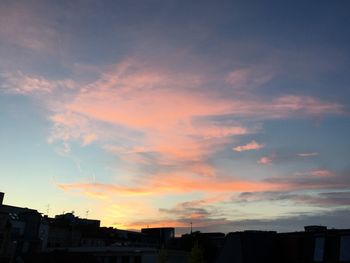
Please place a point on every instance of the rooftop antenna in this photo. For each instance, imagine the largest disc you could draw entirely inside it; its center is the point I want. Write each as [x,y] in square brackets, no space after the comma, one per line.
[87,213]
[191,227]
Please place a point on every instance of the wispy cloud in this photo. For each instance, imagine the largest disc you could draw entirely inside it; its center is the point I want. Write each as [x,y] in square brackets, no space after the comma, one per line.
[321,173]
[20,83]
[308,154]
[22,27]
[245,80]
[317,173]
[313,180]
[170,184]
[316,199]
[253,145]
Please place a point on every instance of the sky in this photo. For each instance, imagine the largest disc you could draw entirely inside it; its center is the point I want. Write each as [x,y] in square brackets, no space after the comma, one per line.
[232,115]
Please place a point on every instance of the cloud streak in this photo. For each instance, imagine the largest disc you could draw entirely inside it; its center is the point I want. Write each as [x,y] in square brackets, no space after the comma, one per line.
[308,154]
[170,184]
[253,145]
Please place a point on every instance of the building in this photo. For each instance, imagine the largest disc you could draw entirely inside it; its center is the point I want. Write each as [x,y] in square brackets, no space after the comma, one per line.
[162,234]
[19,231]
[249,247]
[314,244]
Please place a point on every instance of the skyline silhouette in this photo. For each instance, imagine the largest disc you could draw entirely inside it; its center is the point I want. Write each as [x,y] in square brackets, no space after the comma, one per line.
[28,236]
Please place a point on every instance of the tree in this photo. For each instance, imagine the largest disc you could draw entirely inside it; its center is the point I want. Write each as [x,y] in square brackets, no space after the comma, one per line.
[196,255]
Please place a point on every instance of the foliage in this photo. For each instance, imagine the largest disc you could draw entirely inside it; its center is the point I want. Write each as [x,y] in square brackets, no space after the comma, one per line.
[196,255]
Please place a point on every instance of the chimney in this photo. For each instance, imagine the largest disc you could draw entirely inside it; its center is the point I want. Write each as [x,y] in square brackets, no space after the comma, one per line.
[1,197]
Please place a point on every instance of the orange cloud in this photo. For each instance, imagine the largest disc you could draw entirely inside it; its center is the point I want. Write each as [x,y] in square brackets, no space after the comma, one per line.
[253,145]
[104,190]
[170,184]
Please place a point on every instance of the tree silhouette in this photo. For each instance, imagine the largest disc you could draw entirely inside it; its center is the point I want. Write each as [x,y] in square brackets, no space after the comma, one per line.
[196,255]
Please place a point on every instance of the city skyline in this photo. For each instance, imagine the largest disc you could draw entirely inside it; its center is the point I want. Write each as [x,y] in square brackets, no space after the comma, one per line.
[160,113]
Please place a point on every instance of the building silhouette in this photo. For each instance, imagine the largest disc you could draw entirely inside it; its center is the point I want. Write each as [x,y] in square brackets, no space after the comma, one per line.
[28,236]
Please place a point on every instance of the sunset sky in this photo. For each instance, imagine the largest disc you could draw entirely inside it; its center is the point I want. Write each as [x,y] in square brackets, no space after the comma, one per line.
[230,114]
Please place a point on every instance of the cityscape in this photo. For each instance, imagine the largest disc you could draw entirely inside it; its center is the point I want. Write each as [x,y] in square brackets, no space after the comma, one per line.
[28,236]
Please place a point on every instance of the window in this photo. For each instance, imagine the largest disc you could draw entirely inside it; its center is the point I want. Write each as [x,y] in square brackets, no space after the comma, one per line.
[344,248]
[319,249]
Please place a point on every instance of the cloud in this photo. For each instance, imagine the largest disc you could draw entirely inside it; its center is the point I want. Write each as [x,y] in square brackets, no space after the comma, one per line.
[23,84]
[69,127]
[164,111]
[332,218]
[201,212]
[308,154]
[317,173]
[253,145]
[314,179]
[21,26]
[321,173]
[265,160]
[104,190]
[170,184]
[165,128]
[315,199]
[283,107]
[247,78]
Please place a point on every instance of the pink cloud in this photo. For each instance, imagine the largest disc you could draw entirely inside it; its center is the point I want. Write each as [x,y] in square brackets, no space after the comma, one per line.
[174,183]
[253,145]
[135,112]
[265,160]
[160,104]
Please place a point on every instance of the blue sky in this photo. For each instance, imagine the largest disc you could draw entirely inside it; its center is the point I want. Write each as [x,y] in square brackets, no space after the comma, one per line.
[230,114]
